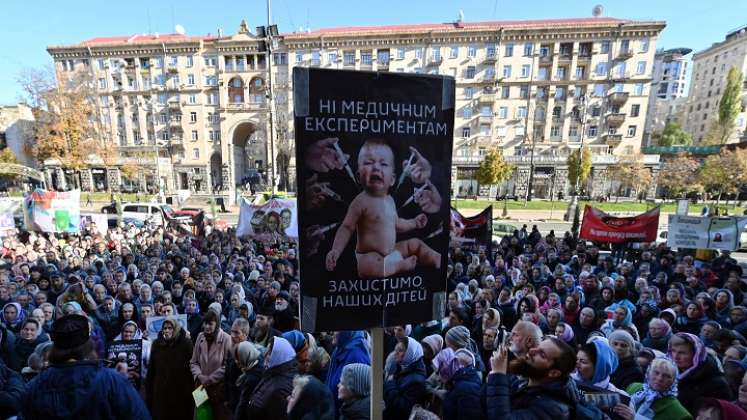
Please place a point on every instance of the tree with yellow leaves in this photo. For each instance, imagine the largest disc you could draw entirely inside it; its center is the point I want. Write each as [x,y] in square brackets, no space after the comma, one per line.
[724,173]
[630,173]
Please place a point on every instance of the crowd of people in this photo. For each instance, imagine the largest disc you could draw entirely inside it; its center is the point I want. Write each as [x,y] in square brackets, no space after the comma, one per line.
[539,327]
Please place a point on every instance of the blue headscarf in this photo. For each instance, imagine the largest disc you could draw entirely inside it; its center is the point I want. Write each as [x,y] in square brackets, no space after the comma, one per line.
[295,338]
[282,352]
[606,364]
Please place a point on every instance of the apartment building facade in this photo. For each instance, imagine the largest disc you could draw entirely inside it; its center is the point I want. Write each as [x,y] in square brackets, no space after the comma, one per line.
[710,69]
[536,89]
[667,96]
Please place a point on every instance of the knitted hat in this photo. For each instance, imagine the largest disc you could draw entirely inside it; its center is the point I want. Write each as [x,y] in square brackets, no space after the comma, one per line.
[357,378]
[70,331]
[459,336]
[217,308]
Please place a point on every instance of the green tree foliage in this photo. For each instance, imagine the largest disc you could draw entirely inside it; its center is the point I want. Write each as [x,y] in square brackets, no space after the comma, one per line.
[680,175]
[493,169]
[728,109]
[724,173]
[674,135]
[579,167]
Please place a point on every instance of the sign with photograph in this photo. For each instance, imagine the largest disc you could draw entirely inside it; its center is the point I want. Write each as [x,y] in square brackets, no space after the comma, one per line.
[373,153]
[54,211]
[272,220]
[127,356]
[705,232]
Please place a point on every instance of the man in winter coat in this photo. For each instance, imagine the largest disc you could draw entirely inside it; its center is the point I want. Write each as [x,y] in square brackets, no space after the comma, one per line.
[550,392]
[75,386]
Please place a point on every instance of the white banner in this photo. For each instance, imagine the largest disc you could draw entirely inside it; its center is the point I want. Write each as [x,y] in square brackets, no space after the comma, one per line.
[276,218]
[705,232]
[100,220]
[8,208]
[54,211]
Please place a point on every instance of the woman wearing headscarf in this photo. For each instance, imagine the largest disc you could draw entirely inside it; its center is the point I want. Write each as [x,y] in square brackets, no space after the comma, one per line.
[659,333]
[249,360]
[622,319]
[462,400]
[699,373]
[350,347]
[270,399]
[310,400]
[595,362]
[692,320]
[459,338]
[656,398]
[168,385]
[354,392]
[406,386]
[724,303]
[30,336]
[432,345]
[628,371]
[301,347]
[194,319]
[13,316]
[565,332]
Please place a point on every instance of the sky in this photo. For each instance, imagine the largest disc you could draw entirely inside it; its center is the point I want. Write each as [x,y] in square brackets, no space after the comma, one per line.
[30,26]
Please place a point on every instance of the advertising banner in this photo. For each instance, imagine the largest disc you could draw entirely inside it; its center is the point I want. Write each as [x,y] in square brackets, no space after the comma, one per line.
[127,356]
[473,233]
[373,153]
[274,219]
[599,226]
[54,211]
[705,232]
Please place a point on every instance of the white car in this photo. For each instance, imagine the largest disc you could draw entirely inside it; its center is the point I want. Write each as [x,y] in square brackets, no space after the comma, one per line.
[158,214]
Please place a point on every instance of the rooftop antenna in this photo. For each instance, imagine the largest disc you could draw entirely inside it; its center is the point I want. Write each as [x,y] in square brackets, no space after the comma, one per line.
[597,10]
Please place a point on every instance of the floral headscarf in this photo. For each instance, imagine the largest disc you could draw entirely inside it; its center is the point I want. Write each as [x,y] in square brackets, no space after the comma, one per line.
[699,352]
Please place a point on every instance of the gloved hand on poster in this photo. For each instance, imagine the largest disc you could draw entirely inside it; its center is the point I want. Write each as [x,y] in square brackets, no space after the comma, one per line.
[420,171]
[323,157]
[429,199]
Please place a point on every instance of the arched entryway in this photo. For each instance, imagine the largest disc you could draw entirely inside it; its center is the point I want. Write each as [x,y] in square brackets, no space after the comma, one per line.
[249,153]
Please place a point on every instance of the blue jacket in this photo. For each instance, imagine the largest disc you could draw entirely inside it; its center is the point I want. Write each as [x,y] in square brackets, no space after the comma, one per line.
[81,390]
[404,391]
[551,401]
[463,401]
[351,348]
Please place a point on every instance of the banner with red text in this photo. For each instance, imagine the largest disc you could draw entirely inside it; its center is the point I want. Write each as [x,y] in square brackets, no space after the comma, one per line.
[599,226]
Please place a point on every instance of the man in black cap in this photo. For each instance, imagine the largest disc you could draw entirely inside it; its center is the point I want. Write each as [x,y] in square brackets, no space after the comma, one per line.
[263,328]
[75,385]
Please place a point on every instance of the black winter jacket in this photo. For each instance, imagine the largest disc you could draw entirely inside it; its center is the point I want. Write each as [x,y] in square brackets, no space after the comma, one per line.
[551,401]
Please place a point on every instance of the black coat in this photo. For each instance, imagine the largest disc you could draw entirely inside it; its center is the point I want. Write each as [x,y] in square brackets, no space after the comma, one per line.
[404,391]
[169,383]
[462,402]
[194,325]
[551,401]
[246,386]
[315,402]
[358,409]
[707,380]
[24,348]
[627,372]
[269,401]
[11,390]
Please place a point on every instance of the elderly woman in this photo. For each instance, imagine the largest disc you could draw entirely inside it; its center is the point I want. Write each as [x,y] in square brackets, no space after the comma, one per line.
[659,333]
[628,371]
[406,387]
[270,397]
[12,317]
[249,360]
[621,319]
[656,398]
[168,385]
[692,320]
[354,391]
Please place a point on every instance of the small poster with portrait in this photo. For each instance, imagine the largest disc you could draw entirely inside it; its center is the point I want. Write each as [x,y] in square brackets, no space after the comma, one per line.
[126,357]
[373,153]
[275,219]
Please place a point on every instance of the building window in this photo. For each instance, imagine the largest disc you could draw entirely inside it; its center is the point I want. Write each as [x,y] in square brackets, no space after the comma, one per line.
[472,51]
[465,132]
[383,56]
[525,69]
[524,91]
[555,131]
[467,112]
[592,132]
[159,62]
[580,70]
[631,130]
[501,131]
[635,110]
[561,73]
[400,53]
[490,51]
[470,72]
[193,117]
[194,135]
[349,58]
[454,52]
[316,58]
[102,83]
[332,57]
[102,64]
[419,53]
[644,45]
[162,98]
[192,99]
[503,112]
[507,71]
[190,61]
[191,79]
[486,111]
[604,47]
[436,54]
[196,153]
[509,50]
[641,68]
[366,58]
[521,112]
[559,92]
[573,131]
[469,92]
[601,69]
[638,89]
[599,90]
[528,49]
[505,92]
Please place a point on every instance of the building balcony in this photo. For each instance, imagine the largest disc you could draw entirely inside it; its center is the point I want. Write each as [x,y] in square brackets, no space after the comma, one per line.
[584,56]
[249,106]
[486,98]
[484,119]
[487,79]
[565,56]
[175,106]
[490,59]
[382,65]
[618,98]
[612,140]
[435,61]
[615,120]
[176,141]
[625,54]
[175,125]
[171,68]
[545,59]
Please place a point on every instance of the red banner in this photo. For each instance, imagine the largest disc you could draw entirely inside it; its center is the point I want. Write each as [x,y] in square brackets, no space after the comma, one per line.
[601,227]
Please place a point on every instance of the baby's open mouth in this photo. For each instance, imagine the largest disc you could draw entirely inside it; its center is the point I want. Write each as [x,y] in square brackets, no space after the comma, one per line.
[376,178]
